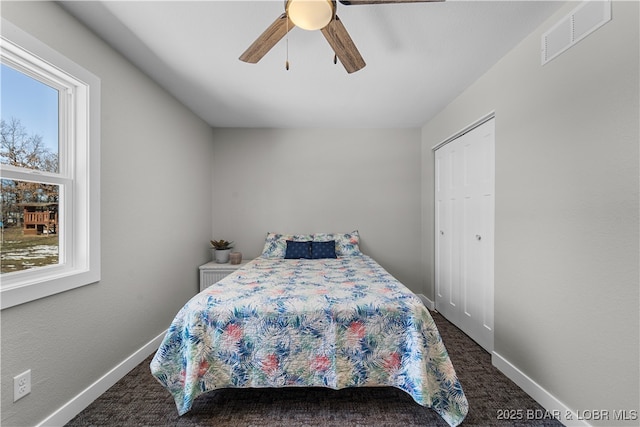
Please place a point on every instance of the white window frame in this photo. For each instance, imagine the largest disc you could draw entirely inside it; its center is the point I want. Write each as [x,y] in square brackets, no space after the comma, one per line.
[79,170]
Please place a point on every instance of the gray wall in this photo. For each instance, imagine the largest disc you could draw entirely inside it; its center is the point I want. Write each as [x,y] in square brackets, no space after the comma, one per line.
[156,221]
[566,248]
[322,180]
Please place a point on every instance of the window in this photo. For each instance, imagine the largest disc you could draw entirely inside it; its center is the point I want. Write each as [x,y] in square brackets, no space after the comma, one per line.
[49,171]
[29,131]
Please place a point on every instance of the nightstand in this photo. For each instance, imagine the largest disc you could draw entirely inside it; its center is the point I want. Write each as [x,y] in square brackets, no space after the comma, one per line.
[212,272]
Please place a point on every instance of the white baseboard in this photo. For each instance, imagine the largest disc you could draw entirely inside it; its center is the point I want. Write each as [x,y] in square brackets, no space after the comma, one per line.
[427,302]
[554,407]
[91,393]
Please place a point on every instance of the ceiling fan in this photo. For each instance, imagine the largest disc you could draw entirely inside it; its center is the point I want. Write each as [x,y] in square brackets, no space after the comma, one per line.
[315,15]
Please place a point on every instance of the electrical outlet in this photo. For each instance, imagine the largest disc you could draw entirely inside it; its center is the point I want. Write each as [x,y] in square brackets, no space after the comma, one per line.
[21,385]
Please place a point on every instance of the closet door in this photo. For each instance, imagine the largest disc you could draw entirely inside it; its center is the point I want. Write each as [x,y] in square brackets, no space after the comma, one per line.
[464,192]
[447,205]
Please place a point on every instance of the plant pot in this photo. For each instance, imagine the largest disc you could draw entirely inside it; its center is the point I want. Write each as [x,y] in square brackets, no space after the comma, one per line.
[222,255]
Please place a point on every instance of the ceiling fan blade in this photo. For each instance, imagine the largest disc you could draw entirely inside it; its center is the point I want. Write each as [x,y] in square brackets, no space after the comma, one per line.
[267,39]
[341,43]
[359,2]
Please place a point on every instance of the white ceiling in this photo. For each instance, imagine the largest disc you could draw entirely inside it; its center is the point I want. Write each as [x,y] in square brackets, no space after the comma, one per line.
[419,57]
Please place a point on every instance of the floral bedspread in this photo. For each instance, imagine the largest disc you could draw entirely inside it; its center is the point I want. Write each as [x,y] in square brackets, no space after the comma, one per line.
[334,323]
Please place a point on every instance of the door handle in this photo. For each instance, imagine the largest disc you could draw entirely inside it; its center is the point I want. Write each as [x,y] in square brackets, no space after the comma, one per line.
[478,237]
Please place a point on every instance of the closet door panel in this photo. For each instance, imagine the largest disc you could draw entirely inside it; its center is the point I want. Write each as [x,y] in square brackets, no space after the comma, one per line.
[444,241]
[464,227]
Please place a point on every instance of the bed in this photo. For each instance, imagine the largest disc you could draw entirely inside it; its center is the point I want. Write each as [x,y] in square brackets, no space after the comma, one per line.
[338,321]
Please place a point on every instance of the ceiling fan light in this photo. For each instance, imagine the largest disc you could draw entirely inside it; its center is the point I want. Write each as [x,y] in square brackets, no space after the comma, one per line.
[310,14]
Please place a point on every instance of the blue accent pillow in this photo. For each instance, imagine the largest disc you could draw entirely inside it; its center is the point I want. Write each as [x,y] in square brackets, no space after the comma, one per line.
[323,249]
[297,250]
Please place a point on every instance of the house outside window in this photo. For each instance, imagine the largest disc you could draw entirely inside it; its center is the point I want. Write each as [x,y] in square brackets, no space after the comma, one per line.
[49,171]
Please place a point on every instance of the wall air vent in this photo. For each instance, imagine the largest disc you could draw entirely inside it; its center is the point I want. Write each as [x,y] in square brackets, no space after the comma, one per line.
[582,21]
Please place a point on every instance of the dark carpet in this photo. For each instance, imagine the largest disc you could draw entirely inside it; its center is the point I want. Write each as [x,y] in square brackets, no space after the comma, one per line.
[139,400]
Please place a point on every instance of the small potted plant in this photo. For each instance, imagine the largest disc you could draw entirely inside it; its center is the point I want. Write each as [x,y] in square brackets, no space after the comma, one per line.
[222,250]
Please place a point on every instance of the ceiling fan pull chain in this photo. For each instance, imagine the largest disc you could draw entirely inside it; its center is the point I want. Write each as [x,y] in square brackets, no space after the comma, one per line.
[286,63]
[335,55]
